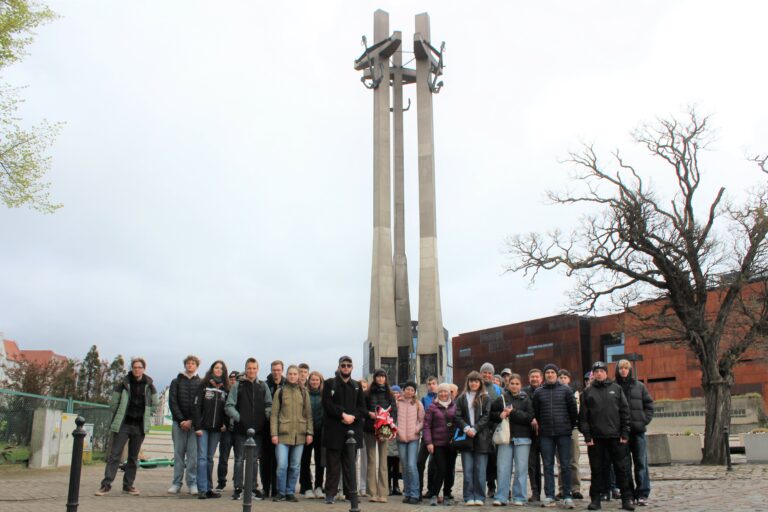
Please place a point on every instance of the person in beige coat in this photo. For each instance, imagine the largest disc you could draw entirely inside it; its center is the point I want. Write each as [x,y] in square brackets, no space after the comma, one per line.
[291,428]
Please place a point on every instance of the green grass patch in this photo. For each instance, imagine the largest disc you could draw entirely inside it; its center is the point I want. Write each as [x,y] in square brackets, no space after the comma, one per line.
[161,428]
[11,454]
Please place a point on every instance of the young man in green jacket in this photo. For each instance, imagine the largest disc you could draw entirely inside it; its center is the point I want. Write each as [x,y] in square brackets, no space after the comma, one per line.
[134,399]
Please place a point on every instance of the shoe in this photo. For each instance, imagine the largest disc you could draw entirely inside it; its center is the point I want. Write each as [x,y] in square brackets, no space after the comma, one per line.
[310,495]
[594,504]
[577,495]
[448,502]
[103,490]
[202,496]
[212,495]
[237,494]
[518,503]
[174,489]
[395,492]
[292,498]
[330,500]
[479,503]
[548,502]
[642,502]
[131,490]
[279,497]
[627,505]
[193,490]
[497,503]
[257,495]
[568,503]
[319,494]
[533,499]
[433,501]
[616,494]
[363,494]
[220,487]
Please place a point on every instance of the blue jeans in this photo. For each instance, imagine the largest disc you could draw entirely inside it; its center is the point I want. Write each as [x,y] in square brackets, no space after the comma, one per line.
[638,448]
[409,454]
[288,465]
[238,441]
[184,455]
[563,446]
[206,449]
[517,451]
[474,465]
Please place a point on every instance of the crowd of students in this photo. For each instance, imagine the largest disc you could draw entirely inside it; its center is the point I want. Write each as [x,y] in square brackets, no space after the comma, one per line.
[501,430]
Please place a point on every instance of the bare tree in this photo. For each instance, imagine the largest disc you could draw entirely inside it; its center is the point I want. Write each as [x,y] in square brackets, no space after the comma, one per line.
[639,246]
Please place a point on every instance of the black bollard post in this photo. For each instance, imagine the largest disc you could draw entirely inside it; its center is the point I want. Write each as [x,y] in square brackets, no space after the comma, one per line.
[351,454]
[727,442]
[78,435]
[250,446]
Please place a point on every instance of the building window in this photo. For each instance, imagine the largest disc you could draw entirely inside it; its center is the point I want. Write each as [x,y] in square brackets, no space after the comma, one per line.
[428,366]
[389,365]
[613,347]
[465,352]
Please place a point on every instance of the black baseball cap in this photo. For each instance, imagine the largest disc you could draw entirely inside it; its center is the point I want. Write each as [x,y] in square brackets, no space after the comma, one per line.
[599,365]
[345,358]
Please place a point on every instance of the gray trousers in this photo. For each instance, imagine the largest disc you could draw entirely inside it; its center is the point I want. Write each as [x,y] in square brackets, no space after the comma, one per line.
[184,455]
[134,436]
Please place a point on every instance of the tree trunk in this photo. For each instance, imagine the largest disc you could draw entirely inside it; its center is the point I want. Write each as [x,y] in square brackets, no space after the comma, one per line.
[717,400]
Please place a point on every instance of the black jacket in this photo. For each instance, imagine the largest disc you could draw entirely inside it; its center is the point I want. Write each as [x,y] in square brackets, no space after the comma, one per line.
[484,436]
[250,405]
[640,402]
[342,397]
[182,395]
[604,411]
[208,413]
[555,408]
[377,396]
[521,415]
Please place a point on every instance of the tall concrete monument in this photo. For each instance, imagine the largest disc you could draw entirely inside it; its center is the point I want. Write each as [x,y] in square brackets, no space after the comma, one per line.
[390,343]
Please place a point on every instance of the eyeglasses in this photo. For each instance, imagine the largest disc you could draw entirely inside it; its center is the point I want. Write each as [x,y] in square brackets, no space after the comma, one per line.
[345,365]
[137,367]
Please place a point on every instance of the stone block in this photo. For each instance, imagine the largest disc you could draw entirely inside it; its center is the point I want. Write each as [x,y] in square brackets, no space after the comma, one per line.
[685,449]
[658,449]
[756,448]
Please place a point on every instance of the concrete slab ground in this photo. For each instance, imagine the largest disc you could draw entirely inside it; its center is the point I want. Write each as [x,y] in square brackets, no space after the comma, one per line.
[674,488]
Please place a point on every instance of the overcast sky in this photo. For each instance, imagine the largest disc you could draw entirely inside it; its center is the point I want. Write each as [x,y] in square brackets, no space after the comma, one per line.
[216,162]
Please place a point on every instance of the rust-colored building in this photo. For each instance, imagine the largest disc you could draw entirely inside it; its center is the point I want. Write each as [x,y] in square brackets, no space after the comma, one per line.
[669,371]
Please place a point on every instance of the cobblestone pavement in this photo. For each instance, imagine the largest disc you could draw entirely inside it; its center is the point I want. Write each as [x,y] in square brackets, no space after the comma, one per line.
[678,488]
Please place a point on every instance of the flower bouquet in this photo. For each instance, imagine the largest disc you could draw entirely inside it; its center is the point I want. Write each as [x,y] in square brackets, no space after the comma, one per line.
[384,426]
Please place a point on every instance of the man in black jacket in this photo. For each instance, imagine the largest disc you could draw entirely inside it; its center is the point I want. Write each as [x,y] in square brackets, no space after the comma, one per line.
[640,415]
[555,409]
[249,404]
[274,381]
[181,399]
[604,421]
[344,409]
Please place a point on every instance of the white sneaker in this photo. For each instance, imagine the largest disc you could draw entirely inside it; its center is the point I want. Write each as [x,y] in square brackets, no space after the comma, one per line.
[193,490]
[319,494]
[310,495]
[174,489]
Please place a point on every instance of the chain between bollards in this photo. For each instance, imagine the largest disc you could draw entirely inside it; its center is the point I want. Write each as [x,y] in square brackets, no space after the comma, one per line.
[78,436]
[727,442]
[250,446]
[351,454]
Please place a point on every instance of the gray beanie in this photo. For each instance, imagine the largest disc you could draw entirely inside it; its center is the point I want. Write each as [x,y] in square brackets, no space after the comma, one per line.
[487,367]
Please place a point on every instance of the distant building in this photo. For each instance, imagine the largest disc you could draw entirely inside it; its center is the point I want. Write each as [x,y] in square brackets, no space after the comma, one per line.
[669,370]
[11,355]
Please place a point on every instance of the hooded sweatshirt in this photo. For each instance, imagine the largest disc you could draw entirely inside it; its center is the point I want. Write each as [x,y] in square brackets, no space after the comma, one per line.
[640,401]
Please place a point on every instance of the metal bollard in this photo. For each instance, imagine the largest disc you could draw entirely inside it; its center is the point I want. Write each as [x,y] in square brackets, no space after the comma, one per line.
[727,442]
[351,454]
[250,446]
[78,435]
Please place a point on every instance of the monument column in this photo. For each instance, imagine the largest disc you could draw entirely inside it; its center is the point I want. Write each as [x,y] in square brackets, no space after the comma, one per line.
[431,349]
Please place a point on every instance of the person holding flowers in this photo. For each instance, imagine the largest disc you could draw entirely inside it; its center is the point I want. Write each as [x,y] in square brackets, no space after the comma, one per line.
[380,427]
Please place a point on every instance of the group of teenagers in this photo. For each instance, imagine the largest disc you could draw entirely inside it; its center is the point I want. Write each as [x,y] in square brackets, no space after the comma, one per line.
[494,424]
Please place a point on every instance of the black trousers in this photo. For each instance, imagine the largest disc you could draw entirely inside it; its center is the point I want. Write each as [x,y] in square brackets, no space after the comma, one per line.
[601,455]
[225,448]
[490,474]
[337,466]
[268,467]
[444,459]
[393,471]
[134,436]
[421,464]
[305,474]
[534,467]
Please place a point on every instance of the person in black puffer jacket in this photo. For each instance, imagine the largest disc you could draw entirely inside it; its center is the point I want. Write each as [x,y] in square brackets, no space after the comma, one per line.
[604,421]
[515,407]
[473,417]
[208,419]
[378,395]
[181,399]
[555,408]
[640,415]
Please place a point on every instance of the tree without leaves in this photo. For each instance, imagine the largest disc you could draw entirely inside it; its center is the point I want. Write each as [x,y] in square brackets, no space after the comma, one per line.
[638,246]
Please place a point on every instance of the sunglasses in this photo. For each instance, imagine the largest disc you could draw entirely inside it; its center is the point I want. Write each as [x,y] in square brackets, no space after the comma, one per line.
[345,365]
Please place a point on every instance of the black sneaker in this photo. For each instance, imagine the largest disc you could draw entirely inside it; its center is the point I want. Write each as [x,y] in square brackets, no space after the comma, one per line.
[594,505]
[257,495]
[577,495]
[221,486]
[279,497]
[292,498]
[238,494]
[211,495]
[627,505]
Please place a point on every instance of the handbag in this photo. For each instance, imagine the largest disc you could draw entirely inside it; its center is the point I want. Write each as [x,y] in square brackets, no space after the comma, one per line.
[461,441]
[501,434]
